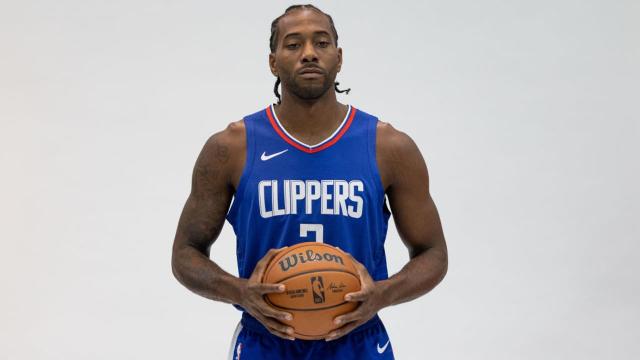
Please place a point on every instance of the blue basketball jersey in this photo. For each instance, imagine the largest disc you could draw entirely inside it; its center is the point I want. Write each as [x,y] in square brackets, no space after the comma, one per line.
[291,192]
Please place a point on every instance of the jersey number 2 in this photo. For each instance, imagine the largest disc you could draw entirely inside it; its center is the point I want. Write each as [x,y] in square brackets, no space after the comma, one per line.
[306,228]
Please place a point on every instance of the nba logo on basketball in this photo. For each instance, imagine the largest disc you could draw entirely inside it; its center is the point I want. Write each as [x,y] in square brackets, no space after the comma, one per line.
[317,287]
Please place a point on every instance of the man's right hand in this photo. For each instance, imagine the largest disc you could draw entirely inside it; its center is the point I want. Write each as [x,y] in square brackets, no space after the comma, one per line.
[253,300]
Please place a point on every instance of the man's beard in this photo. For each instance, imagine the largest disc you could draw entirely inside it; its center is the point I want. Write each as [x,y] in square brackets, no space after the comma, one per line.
[312,89]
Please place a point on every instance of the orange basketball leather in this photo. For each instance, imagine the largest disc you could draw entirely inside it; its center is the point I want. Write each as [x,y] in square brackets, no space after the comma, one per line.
[316,278]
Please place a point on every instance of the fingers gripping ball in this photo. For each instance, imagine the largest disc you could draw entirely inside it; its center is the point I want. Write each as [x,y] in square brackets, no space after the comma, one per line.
[316,277]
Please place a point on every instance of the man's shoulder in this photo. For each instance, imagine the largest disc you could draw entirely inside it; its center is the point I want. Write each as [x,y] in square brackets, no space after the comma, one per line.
[225,146]
[385,132]
[396,153]
[225,151]
[391,141]
[235,130]
[232,136]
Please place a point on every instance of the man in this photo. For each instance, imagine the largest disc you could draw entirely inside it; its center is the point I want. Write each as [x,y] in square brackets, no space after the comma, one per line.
[309,169]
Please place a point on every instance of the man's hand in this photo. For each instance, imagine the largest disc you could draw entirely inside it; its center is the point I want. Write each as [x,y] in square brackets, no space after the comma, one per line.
[371,298]
[253,300]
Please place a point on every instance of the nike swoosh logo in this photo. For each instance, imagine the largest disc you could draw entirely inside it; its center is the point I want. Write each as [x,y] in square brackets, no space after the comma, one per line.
[382,349]
[265,157]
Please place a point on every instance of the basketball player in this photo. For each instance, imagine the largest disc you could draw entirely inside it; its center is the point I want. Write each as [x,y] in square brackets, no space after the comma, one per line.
[309,168]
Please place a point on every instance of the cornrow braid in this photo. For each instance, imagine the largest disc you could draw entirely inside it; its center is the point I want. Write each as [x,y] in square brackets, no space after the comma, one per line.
[275,90]
[274,38]
[341,91]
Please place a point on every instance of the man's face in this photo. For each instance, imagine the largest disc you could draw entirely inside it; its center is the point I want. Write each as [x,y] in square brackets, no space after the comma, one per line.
[305,41]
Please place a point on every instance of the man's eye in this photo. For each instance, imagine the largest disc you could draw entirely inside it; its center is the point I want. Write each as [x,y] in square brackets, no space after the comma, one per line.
[292,46]
[324,43]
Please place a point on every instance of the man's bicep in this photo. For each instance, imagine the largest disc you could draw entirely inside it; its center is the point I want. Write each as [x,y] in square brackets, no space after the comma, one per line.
[204,212]
[414,211]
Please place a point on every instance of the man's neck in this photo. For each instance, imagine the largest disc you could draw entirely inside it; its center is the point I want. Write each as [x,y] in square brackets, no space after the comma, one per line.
[311,121]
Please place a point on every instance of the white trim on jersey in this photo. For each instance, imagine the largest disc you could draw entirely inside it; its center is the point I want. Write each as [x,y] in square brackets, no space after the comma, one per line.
[318,144]
[234,340]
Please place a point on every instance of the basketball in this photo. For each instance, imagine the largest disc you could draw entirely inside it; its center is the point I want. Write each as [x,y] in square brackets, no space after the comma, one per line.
[316,277]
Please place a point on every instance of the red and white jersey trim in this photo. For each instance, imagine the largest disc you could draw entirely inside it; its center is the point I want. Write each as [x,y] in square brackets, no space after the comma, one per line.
[332,139]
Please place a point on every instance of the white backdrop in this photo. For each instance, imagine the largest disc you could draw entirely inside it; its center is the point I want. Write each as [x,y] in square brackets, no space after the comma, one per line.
[526,112]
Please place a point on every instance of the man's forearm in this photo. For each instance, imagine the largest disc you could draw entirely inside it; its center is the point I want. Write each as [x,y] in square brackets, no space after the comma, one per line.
[204,277]
[416,278]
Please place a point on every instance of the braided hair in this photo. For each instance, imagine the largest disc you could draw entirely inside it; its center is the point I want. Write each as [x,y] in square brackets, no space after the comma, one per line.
[274,37]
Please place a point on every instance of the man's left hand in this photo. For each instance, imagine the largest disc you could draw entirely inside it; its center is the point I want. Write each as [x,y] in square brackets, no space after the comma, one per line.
[371,301]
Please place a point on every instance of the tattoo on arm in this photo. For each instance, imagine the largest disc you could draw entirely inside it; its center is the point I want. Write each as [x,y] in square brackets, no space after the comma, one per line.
[202,220]
[205,210]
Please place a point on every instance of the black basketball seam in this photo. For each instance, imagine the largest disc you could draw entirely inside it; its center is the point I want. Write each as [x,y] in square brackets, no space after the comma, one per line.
[311,335]
[317,309]
[315,270]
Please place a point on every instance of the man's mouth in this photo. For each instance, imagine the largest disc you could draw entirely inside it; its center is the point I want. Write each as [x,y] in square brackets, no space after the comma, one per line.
[311,70]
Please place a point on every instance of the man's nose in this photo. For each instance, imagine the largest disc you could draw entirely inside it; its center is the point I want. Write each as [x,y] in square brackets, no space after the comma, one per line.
[309,52]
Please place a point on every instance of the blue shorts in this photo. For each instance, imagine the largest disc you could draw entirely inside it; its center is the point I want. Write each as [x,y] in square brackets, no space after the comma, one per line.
[252,341]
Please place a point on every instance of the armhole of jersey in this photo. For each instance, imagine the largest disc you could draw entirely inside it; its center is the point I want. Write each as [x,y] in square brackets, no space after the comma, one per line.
[379,258]
[373,162]
[248,166]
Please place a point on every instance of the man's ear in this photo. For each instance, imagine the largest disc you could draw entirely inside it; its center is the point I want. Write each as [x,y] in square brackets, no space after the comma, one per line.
[339,59]
[272,64]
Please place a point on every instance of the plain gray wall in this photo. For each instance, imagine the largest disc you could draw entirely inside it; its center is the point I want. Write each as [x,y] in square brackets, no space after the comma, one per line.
[526,113]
